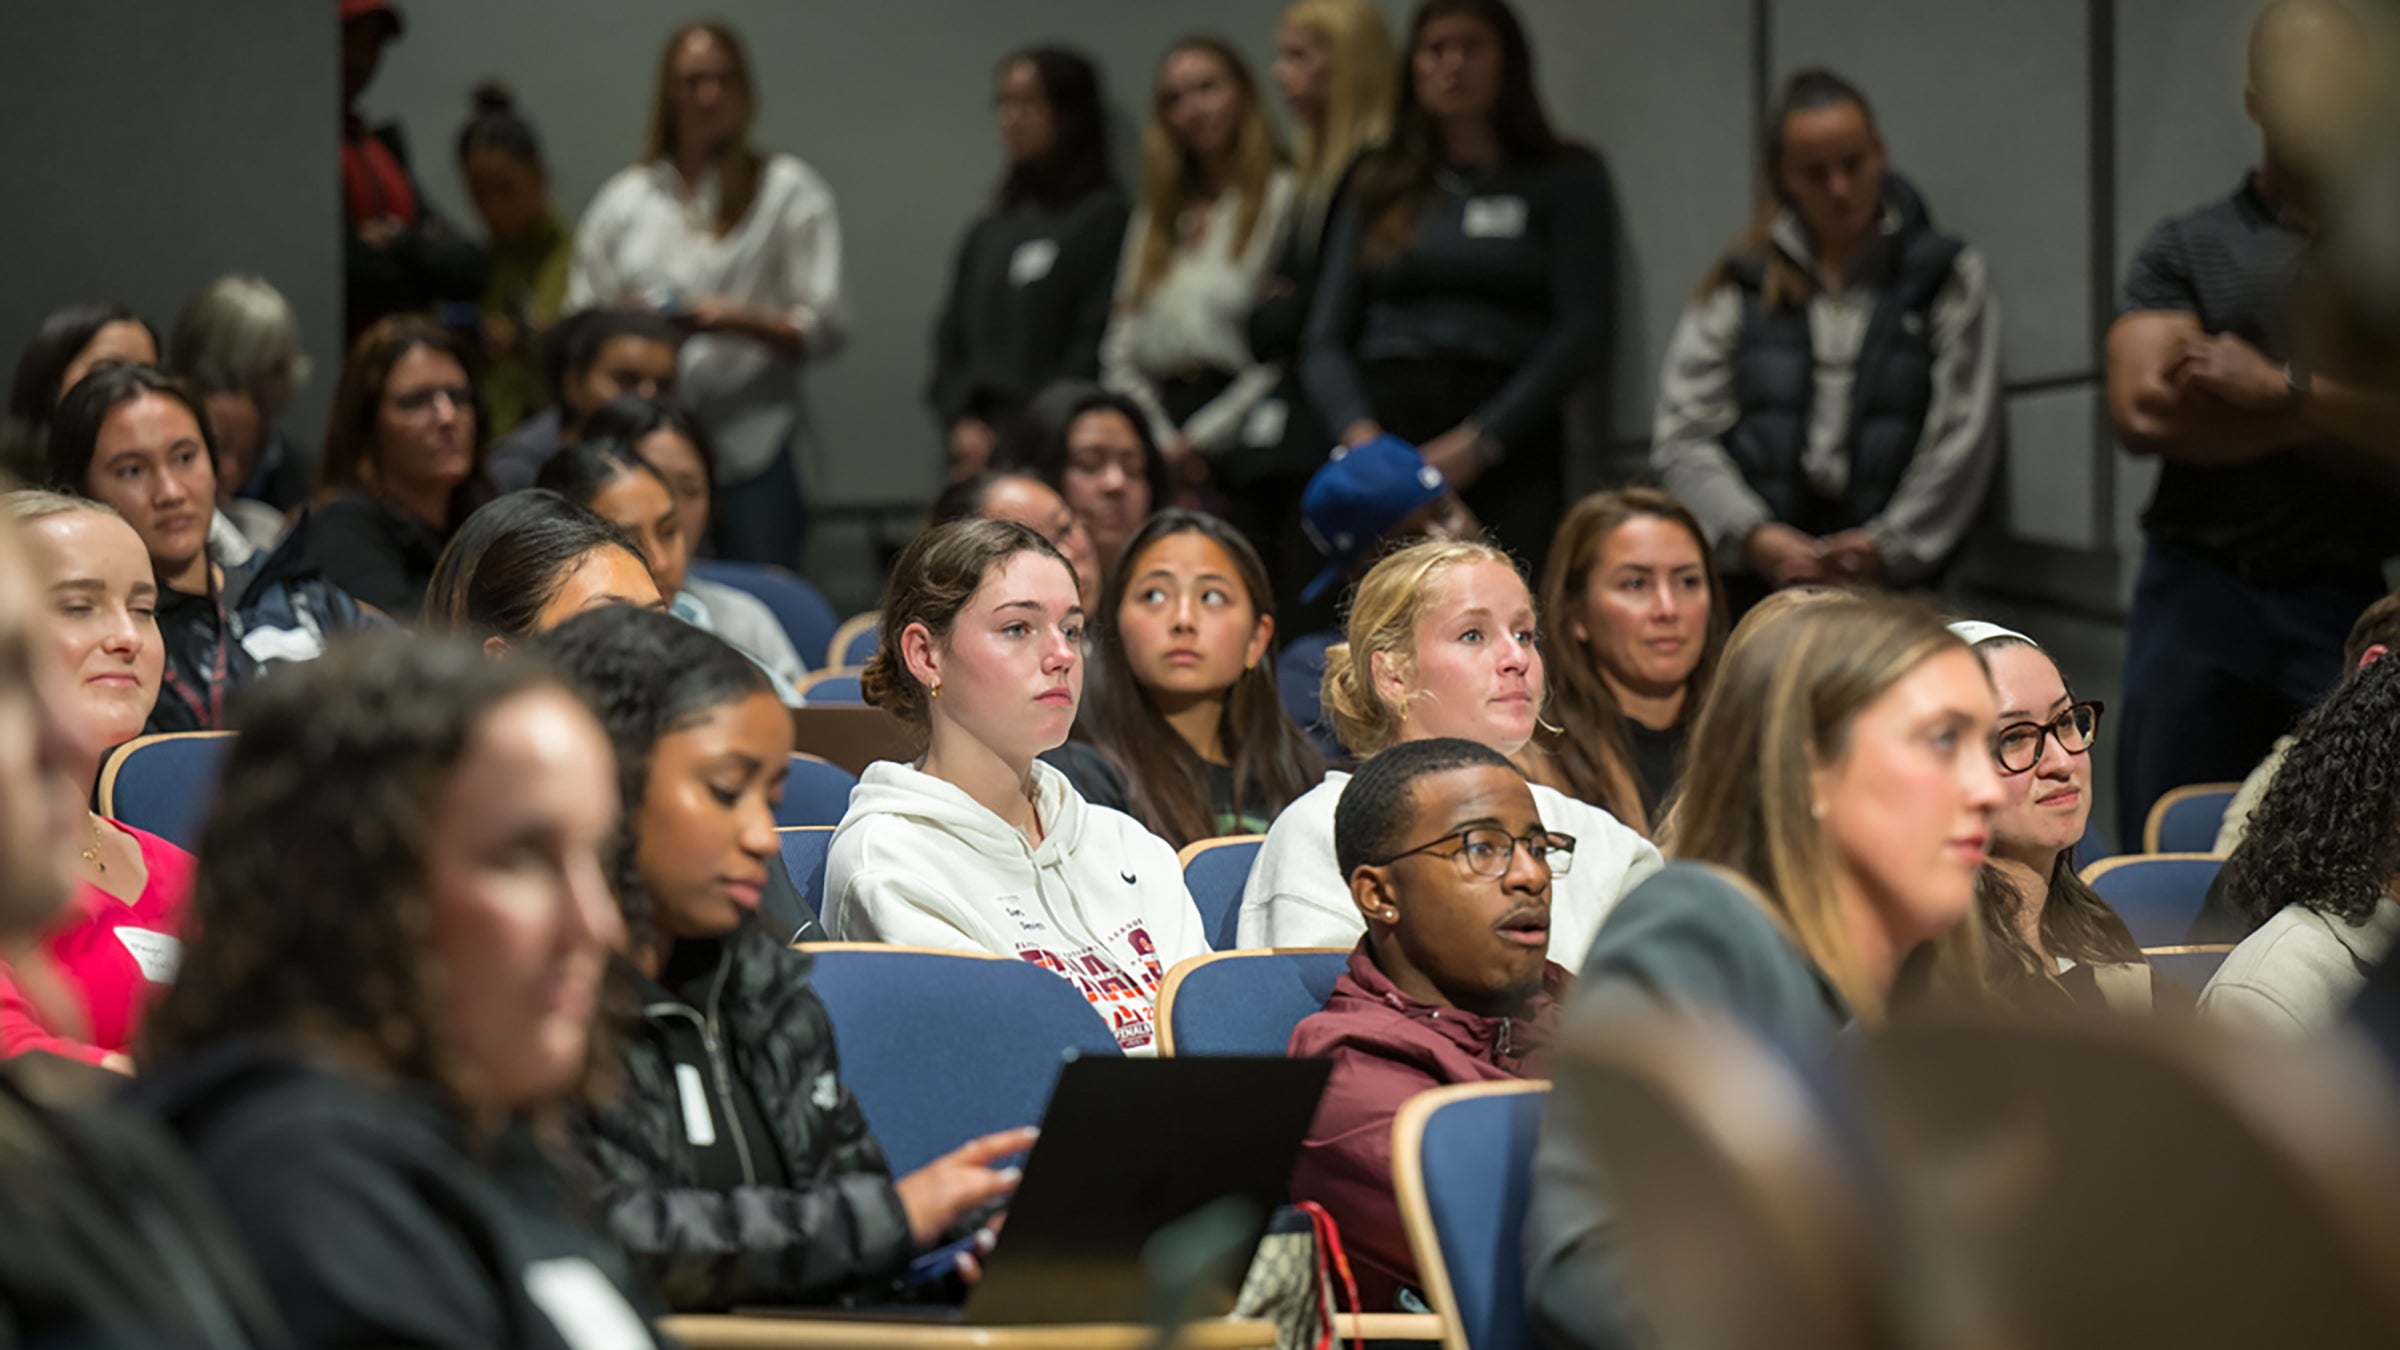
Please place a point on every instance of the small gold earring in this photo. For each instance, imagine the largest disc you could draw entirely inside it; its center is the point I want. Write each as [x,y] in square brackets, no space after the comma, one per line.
[934,689]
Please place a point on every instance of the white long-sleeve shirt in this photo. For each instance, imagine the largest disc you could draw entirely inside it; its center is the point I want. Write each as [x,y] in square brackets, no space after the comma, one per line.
[1197,317]
[1942,487]
[1298,897]
[645,242]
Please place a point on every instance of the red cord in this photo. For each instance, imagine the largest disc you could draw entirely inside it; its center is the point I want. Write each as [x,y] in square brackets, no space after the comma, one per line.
[1329,1246]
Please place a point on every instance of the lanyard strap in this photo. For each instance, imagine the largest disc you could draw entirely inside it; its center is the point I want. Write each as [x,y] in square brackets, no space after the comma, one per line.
[220,670]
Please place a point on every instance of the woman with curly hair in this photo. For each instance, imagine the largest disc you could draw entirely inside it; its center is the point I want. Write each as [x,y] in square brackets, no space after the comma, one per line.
[735,1167]
[2319,871]
[403,923]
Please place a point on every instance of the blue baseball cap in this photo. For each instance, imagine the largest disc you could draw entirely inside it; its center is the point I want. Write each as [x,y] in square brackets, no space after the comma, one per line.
[1360,494]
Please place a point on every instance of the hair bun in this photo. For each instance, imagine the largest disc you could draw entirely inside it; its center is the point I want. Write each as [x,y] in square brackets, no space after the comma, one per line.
[492,98]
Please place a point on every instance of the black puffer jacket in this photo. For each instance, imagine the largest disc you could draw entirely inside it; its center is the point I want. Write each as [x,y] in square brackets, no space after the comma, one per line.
[830,1226]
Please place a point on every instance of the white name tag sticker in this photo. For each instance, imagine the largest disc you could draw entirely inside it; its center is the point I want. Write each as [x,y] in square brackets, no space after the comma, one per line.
[1495,217]
[699,1125]
[1264,426]
[160,955]
[1032,261]
[587,1310]
[268,646]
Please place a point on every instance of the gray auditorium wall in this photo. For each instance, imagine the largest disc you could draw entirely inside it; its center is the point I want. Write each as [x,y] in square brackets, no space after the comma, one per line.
[890,101]
[152,145]
[1991,107]
[209,153]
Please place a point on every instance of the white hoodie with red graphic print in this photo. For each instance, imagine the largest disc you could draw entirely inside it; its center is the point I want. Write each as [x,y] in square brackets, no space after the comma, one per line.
[1101,903]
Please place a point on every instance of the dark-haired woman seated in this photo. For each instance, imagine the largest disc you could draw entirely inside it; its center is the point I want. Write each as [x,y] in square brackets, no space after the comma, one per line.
[2317,870]
[71,343]
[136,439]
[528,562]
[1016,494]
[2045,933]
[735,1166]
[1638,620]
[403,927]
[403,463]
[1191,739]
[666,435]
[1093,447]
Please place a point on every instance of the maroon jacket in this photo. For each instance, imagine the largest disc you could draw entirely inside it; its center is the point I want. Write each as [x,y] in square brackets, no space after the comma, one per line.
[1387,1047]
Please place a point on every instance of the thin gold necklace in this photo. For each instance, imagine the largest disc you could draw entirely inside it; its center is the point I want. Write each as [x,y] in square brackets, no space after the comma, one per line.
[92,854]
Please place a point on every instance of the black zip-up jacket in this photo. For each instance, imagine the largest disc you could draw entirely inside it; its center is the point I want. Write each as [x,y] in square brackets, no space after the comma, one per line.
[273,610]
[376,1217]
[106,1237]
[829,1226]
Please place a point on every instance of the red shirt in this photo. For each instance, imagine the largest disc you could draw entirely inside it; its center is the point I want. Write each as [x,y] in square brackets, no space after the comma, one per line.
[116,957]
[1386,1048]
[375,185]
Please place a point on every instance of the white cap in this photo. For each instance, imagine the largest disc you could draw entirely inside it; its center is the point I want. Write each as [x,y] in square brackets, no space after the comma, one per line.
[1975,632]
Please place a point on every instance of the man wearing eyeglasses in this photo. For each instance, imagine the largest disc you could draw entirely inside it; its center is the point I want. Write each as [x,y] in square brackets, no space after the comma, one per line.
[1450,864]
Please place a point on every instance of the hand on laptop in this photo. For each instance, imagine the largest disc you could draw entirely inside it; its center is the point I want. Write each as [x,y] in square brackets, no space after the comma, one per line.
[945,1190]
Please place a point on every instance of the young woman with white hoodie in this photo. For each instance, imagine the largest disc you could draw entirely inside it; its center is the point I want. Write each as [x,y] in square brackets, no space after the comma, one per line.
[1441,643]
[979,846]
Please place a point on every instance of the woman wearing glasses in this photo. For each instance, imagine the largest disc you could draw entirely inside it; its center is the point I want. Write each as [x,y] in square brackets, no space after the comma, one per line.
[2046,936]
[403,464]
[1835,815]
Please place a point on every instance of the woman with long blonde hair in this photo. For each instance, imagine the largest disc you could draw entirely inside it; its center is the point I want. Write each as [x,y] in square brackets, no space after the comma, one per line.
[1216,197]
[741,247]
[1637,622]
[1334,64]
[1834,819]
[1440,644]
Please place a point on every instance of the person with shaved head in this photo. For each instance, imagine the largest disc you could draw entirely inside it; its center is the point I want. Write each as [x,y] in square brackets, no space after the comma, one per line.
[2268,528]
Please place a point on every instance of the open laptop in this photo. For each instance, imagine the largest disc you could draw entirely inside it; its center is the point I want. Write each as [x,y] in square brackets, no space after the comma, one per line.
[1129,1149]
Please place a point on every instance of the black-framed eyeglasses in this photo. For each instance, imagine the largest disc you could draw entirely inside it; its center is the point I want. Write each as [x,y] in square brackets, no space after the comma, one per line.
[2018,746]
[1487,850]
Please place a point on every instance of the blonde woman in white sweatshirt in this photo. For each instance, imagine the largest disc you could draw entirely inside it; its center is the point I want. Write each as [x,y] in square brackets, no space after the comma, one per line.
[979,846]
[1441,643]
